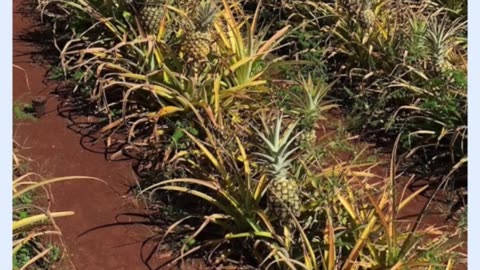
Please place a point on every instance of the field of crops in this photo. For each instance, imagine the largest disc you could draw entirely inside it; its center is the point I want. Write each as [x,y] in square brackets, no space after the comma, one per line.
[276,134]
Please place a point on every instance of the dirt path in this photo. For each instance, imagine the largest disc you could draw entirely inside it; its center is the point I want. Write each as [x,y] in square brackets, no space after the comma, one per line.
[57,151]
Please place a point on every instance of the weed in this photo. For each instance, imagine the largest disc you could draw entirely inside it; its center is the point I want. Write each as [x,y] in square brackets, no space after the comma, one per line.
[23,256]
[463,220]
[56,73]
[341,145]
[23,112]
[55,253]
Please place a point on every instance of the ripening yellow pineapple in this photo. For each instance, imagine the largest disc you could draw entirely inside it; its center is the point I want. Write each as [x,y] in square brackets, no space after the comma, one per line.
[284,195]
[198,41]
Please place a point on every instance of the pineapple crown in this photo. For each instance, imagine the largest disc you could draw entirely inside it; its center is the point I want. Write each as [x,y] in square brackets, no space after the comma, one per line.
[275,148]
[308,102]
[367,4]
[205,15]
[314,92]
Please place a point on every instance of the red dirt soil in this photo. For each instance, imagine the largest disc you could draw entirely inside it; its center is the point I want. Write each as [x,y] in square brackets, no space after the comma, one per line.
[57,151]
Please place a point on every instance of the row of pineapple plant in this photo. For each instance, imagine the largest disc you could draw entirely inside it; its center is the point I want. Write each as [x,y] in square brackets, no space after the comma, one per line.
[408,65]
[243,152]
[290,220]
[210,56]
[399,68]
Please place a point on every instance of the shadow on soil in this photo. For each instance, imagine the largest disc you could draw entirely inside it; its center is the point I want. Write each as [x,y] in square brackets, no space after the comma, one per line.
[44,49]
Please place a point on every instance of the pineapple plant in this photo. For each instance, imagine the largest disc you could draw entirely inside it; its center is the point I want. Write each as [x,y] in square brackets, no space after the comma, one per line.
[307,103]
[442,36]
[198,41]
[284,194]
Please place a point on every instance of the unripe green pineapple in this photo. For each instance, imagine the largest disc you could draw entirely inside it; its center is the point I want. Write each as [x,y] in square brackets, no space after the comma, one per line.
[283,194]
[198,41]
[441,63]
[367,18]
[310,136]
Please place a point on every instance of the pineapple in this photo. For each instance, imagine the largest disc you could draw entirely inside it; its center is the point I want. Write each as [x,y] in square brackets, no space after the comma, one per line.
[284,192]
[198,41]
[150,13]
[310,137]
[367,16]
